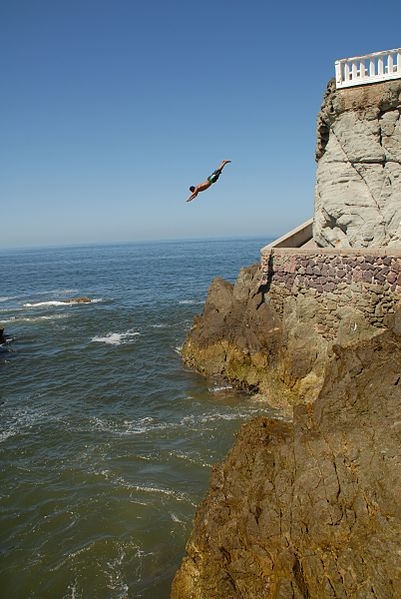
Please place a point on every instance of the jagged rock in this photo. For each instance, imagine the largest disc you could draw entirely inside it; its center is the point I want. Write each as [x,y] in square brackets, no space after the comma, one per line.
[241,338]
[358,177]
[237,334]
[310,508]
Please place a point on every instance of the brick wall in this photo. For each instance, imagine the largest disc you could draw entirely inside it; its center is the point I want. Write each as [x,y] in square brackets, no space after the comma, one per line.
[368,280]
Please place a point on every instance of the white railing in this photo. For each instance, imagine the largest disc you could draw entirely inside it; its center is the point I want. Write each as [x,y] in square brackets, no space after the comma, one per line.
[378,66]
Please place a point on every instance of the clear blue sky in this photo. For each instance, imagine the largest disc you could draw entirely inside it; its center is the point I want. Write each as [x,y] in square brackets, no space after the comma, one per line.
[109,110]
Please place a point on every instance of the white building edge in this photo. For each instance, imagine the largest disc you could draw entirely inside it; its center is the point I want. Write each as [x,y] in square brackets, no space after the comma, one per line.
[370,68]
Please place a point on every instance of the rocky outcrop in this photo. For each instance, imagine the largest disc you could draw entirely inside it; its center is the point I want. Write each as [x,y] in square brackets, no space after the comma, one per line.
[358,178]
[77,300]
[236,336]
[310,508]
[267,340]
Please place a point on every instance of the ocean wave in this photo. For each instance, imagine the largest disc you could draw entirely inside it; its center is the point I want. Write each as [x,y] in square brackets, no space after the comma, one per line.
[116,480]
[192,460]
[177,495]
[176,518]
[127,427]
[149,426]
[32,319]
[243,413]
[63,303]
[20,422]
[220,389]
[190,302]
[116,338]
[7,298]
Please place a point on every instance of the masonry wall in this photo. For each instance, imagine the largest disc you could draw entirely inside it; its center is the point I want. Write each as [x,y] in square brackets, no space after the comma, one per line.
[367,281]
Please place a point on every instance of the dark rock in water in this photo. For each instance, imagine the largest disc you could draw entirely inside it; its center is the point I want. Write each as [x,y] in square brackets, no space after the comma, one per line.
[77,300]
[2,336]
[310,508]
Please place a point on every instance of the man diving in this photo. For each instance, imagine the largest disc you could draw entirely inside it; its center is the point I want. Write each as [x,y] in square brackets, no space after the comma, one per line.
[209,181]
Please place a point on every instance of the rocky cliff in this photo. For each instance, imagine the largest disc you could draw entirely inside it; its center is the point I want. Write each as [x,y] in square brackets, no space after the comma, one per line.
[358,179]
[310,507]
[272,340]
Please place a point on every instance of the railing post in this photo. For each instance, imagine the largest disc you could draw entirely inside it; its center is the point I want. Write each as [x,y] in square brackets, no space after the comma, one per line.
[372,67]
[390,64]
[346,72]
[380,66]
[354,70]
[339,77]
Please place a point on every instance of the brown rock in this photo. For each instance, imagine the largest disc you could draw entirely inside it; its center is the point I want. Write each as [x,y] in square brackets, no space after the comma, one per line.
[310,508]
[241,338]
[77,300]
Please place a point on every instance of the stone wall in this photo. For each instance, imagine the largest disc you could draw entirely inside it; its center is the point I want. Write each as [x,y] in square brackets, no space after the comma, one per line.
[337,279]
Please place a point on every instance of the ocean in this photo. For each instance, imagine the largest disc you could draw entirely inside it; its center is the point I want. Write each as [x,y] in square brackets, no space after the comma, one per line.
[106,439]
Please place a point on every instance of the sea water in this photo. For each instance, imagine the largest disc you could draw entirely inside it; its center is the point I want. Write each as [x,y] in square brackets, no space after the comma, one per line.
[106,438]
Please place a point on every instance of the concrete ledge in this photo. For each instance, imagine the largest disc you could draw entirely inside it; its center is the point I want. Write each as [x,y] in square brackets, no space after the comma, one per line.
[298,237]
[313,251]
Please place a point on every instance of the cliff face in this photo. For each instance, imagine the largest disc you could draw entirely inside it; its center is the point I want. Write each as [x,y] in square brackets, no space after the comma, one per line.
[247,336]
[310,508]
[358,179]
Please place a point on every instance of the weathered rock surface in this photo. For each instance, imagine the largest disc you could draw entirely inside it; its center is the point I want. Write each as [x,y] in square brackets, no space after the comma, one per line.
[358,178]
[310,508]
[241,338]
[236,335]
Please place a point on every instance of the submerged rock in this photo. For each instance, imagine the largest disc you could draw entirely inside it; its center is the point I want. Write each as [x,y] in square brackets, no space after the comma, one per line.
[310,508]
[77,300]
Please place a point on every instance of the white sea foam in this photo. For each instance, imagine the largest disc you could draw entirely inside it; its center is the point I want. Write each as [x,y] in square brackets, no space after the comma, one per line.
[187,458]
[21,421]
[128,427]
[119,481]
[72,591]
[175,518]
[220,388]
[178,496]
[58,303]
[190,302]
[33,319]
[115,575]
[115,338]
